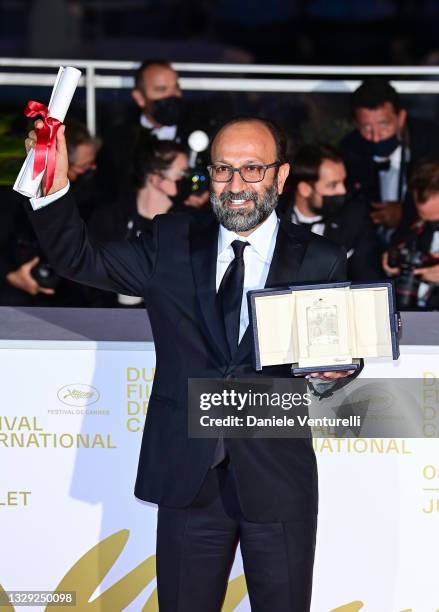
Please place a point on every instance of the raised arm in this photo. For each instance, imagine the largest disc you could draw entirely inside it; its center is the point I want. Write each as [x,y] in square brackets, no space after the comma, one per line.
[124,266]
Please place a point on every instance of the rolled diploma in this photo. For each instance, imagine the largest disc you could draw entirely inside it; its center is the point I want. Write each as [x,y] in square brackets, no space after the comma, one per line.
[62,93]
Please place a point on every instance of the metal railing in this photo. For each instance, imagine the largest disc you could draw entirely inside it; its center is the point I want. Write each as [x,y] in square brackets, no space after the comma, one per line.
[231,77]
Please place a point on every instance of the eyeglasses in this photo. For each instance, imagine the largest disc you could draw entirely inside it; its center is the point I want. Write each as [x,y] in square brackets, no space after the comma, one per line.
[251,173]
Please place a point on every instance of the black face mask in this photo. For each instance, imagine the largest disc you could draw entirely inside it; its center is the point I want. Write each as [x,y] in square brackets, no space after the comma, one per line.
[332,205]
[385,148]
[167,111]
[432,225]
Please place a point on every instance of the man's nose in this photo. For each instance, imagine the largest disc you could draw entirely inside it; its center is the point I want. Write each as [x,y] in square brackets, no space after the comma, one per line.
[341,189]
[376,135]
[237,184]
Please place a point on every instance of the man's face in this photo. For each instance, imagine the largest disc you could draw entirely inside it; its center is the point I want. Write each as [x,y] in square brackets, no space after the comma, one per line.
[158,82]
[84,159]
[428,210]
[377,124]
[332,177]
[238,205]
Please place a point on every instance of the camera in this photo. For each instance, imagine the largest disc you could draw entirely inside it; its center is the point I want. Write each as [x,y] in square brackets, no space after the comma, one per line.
[43,273]
[407,258]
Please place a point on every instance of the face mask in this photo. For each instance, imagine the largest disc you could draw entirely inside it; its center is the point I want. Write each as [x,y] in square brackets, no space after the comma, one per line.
[432,225]
[332,205]
[167,111]
[384,148]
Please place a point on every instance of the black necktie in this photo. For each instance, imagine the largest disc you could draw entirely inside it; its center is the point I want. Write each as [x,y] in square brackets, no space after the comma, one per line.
[230,294]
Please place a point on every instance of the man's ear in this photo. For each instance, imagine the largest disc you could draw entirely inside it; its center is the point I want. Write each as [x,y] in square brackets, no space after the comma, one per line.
[282,176]
[138,98]
[304,189]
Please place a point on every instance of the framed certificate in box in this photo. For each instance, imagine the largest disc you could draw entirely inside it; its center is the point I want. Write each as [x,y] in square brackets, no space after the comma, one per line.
[323,327]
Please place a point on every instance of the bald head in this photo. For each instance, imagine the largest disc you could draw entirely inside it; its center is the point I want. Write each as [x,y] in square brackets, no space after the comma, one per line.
[244,131]
[250,146]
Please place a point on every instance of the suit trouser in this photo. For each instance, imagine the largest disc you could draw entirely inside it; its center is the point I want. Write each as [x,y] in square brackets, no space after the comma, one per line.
[196,548]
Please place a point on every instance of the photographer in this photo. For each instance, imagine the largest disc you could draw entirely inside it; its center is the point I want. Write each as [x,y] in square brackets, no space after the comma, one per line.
[26,278]
[413,257]
[382,152]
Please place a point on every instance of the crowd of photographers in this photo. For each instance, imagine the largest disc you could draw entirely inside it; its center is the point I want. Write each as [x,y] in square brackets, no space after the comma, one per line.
[377,194]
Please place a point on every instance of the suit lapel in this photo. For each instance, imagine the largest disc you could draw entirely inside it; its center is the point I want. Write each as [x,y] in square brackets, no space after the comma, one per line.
[285,266]
[204,251]
[288,255]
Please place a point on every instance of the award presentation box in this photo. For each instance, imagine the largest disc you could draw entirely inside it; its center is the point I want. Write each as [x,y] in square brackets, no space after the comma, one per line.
[323,327]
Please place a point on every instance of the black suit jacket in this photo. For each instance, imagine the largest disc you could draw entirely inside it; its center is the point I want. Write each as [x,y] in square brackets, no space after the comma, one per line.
[354,231]
[174,268]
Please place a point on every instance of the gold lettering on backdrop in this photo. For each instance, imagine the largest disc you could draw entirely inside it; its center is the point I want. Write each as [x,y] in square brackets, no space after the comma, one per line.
[138,389]
[15,498]
[19,423]
[433,506]
[136,374]
[430,473]
[55,440]
[380,446]
[430,402]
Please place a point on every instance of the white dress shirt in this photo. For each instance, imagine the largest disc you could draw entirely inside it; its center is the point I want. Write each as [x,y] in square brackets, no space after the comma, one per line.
[257,259]
[389,179]
[164,132]
[318,225]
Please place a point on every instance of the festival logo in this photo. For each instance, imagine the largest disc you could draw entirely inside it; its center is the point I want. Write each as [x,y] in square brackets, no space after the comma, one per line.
[78,394]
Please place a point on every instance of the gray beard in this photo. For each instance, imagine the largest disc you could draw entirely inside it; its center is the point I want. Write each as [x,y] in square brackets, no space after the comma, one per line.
[243,220]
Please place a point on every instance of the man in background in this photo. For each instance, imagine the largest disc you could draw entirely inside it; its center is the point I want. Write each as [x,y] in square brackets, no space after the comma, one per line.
[413,256]
[158,96]
[382,151]
[321,204]
[26,278]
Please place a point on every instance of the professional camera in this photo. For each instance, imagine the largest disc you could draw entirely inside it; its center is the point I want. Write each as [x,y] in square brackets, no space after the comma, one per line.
[407,258]
[43,273]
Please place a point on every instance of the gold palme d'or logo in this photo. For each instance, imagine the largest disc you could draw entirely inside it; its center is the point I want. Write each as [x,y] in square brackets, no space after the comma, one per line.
[87,574]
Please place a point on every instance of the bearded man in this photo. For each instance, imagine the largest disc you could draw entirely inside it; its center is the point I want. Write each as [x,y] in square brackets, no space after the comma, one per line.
[193,275]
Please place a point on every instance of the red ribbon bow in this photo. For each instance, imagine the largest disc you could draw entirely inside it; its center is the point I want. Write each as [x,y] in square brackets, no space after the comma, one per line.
[45,149]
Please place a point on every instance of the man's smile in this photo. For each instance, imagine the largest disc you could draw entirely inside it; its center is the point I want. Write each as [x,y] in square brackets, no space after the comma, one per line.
[237,204]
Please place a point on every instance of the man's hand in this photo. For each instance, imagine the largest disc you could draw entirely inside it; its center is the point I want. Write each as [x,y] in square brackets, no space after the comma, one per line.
[331,375]
[62,164]
[386,213]
[388,269]
[429,275]
[23,279]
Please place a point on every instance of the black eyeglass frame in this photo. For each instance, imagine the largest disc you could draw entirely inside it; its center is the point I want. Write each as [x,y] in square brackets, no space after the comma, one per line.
[239,170]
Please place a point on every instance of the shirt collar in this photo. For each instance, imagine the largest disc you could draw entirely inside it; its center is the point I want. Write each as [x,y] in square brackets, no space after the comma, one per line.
[261,239]
[301,218]
[164,132]
[394,157]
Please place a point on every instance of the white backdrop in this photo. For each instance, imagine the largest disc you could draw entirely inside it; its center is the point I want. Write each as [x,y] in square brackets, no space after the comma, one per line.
[70,430]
